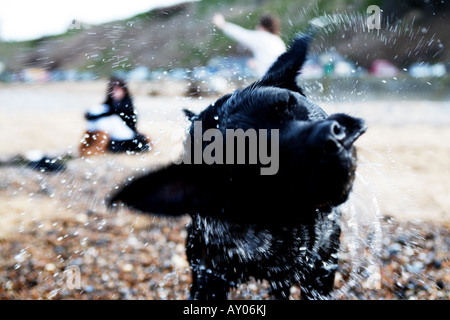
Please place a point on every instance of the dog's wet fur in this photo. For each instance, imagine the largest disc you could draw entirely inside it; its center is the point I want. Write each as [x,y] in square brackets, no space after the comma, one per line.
[283,228]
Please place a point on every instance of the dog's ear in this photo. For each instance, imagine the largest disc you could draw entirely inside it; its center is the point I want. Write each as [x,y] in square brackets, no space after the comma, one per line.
[191,115]
[284,71]
[175,190]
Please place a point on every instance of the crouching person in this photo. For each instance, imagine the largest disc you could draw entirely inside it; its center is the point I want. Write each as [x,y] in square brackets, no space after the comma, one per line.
[112,125]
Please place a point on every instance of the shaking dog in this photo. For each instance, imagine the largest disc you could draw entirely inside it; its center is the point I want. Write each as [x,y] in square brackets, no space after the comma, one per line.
[278,223]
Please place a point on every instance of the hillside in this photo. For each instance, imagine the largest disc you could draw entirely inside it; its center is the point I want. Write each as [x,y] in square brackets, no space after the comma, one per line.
[184,37]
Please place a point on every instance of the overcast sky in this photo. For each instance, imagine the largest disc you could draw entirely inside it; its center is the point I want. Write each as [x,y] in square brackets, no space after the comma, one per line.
[28,19]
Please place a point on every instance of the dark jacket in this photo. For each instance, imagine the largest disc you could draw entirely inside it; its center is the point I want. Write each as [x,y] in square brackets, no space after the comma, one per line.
[124,109]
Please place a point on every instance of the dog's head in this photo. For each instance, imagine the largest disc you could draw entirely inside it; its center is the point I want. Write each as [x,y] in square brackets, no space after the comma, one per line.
[293,159]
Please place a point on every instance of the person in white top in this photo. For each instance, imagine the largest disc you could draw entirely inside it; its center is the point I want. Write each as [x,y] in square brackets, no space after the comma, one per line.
[264,42]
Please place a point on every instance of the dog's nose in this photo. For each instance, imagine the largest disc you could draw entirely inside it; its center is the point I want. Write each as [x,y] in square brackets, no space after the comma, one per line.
[328,136]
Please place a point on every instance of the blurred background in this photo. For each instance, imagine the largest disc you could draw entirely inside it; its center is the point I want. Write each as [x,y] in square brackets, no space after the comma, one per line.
[90,42]
[55,60]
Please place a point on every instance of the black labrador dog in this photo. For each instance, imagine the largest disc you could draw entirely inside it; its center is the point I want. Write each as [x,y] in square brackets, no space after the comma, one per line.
[280,224]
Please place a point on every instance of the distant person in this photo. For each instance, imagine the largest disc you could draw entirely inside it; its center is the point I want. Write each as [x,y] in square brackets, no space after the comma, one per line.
[264,42]
[112,125]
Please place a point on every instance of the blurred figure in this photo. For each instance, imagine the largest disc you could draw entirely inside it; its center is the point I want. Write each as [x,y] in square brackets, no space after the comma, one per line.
[383,68]
[112,125]
[264,42]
